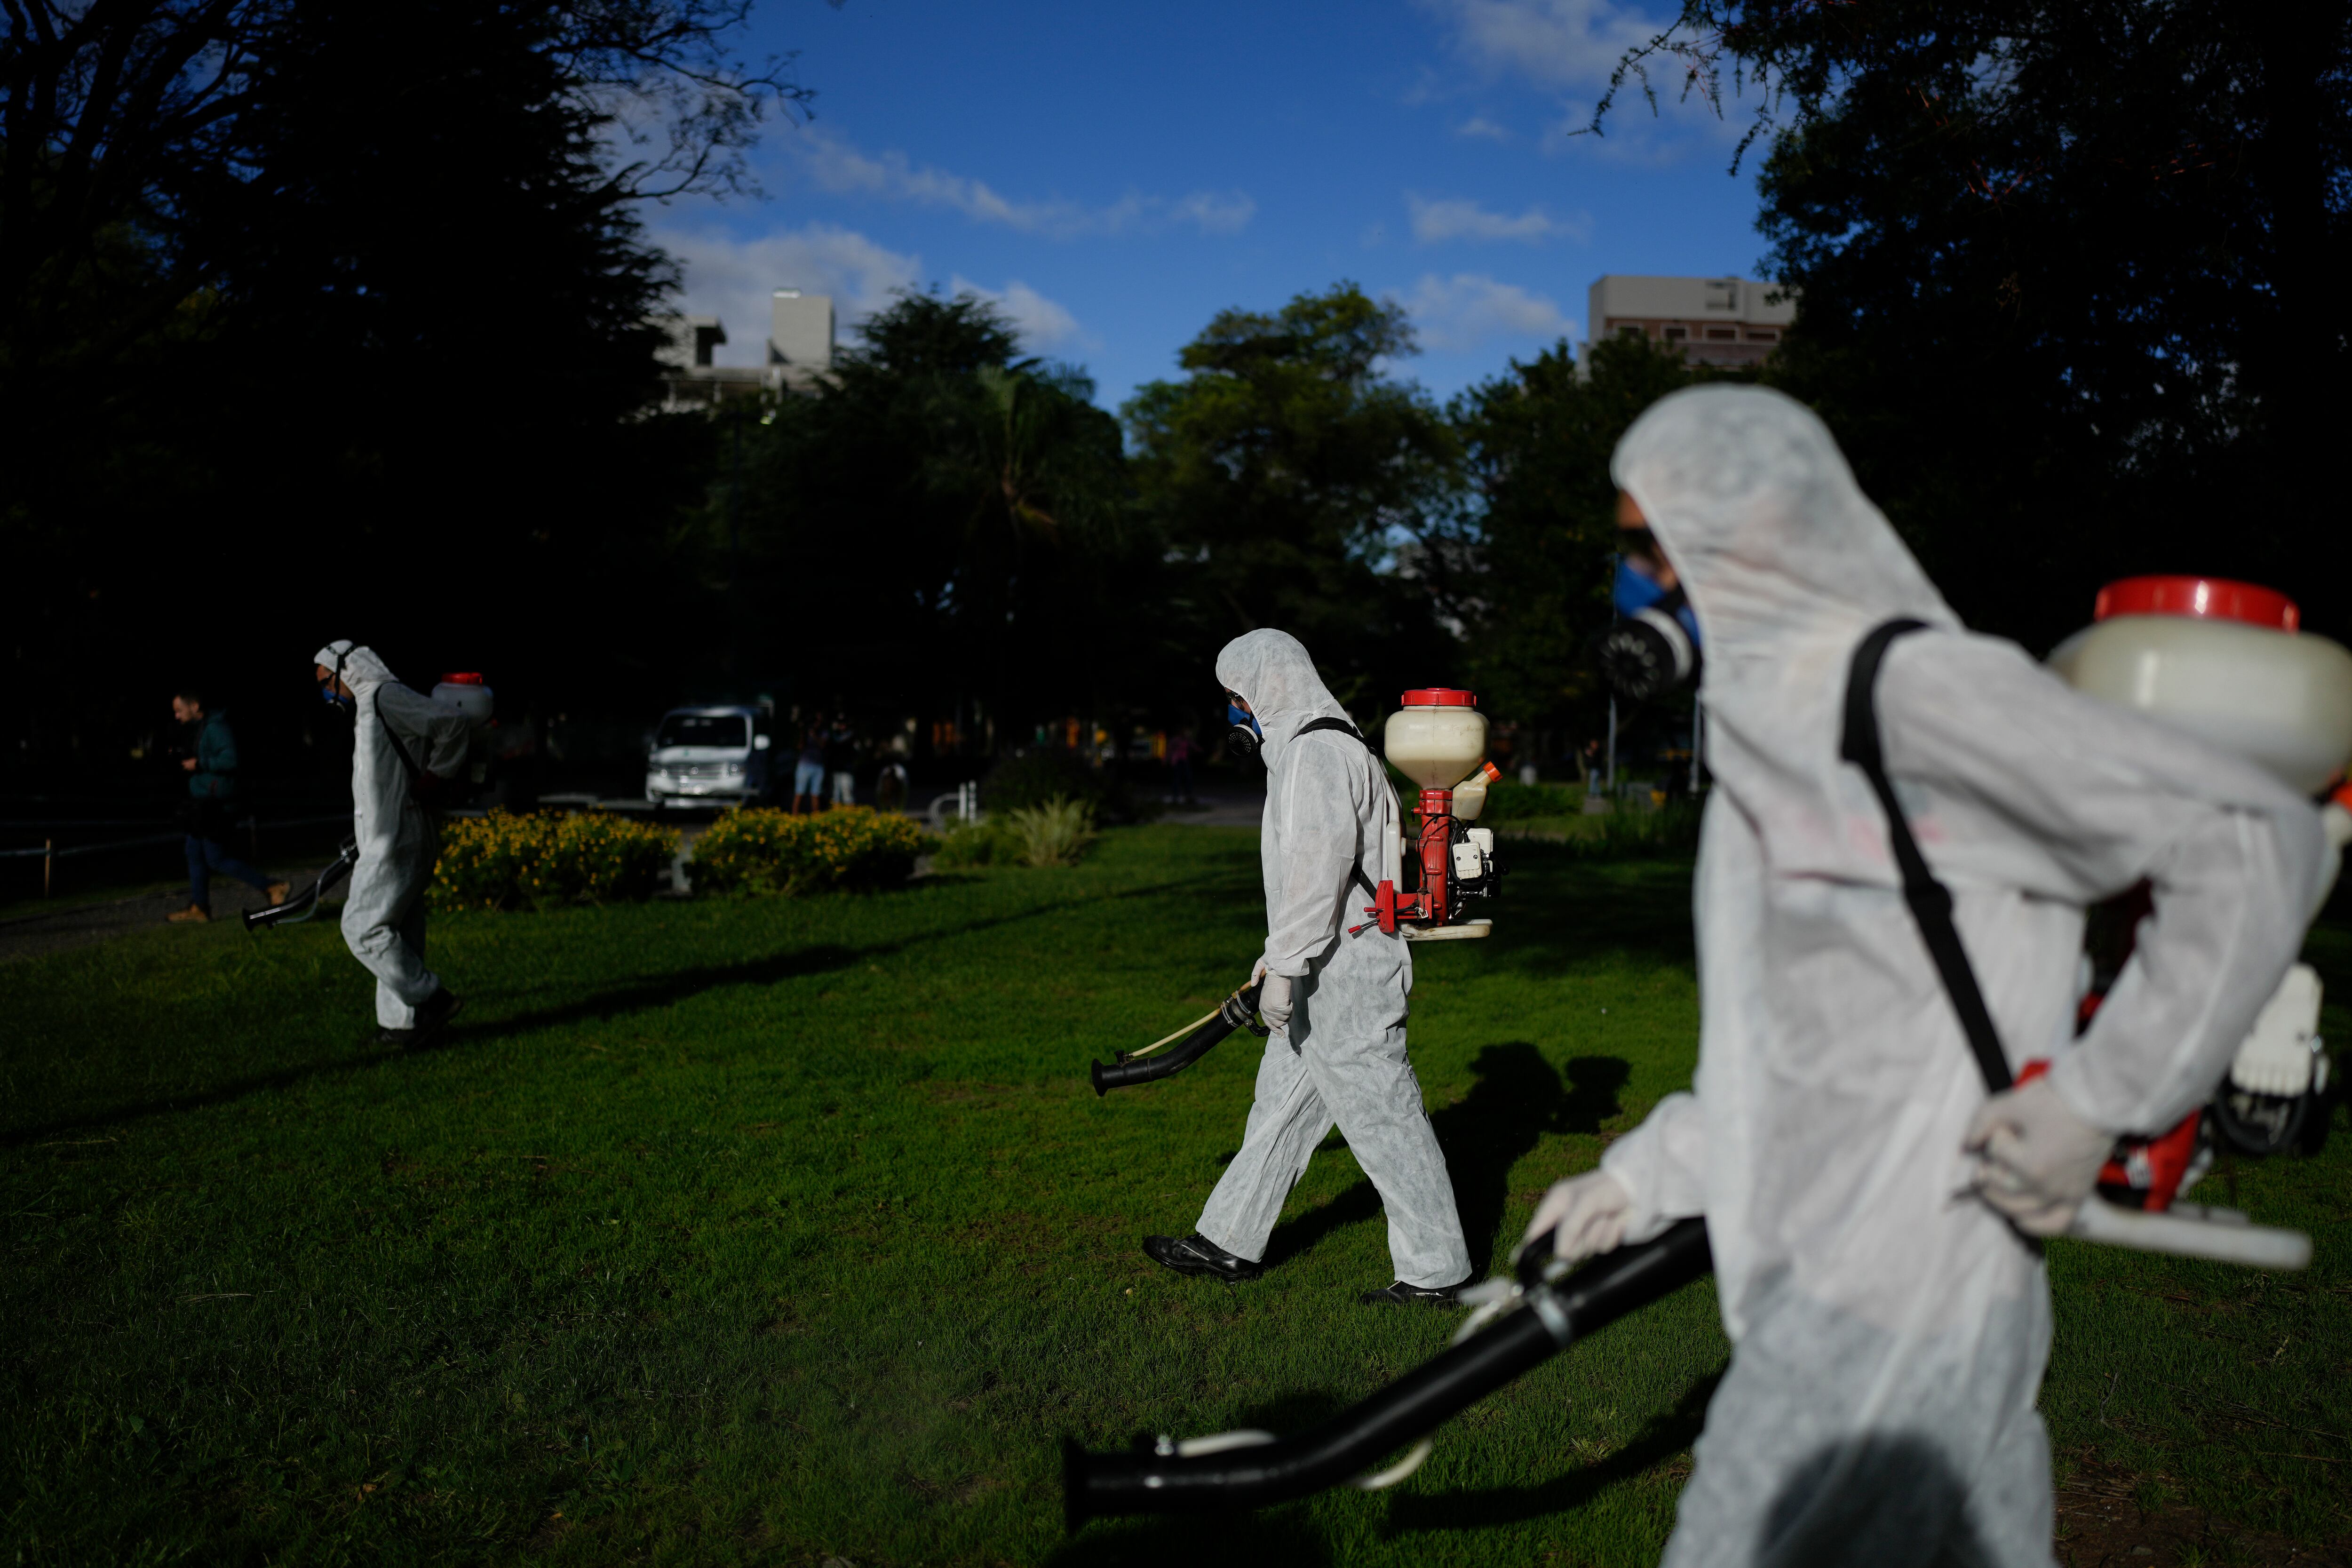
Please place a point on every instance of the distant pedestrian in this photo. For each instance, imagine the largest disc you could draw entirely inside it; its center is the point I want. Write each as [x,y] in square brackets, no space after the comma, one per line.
[1180,767]
[808,773]
[841,762]
[891,787]
[210,767]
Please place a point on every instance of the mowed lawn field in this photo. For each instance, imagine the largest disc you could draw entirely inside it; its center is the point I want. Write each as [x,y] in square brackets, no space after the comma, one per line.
[783,1230]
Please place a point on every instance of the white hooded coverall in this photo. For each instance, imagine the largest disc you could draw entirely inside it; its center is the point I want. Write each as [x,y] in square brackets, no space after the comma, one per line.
[384,918]
[1329,814]
[1890,1333]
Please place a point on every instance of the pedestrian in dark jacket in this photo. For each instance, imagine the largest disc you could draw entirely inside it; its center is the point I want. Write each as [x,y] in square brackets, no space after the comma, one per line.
[210,767]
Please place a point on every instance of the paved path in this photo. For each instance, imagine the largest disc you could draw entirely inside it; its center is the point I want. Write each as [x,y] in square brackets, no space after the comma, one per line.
[72,924]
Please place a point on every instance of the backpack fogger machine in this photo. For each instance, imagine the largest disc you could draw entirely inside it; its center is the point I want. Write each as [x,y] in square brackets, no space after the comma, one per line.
[1437,739]
[2225,662]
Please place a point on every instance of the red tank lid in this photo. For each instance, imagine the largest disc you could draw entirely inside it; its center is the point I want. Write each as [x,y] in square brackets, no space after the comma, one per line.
[2215,598]
[1439,697]
[464,678]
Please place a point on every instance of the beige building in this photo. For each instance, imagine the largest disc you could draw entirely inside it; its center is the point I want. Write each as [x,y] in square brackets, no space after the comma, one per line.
[1724,321]
[800,352]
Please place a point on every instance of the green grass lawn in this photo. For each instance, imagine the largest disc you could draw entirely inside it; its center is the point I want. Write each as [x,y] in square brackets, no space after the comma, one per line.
[776,1230]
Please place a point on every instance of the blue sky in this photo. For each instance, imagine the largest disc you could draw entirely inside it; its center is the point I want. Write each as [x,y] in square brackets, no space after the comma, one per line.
[1114,175]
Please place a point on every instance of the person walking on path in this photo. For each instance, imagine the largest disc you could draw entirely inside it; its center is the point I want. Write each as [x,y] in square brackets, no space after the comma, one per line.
[808,772]
[210,767]
[1335,1002]
[405,744]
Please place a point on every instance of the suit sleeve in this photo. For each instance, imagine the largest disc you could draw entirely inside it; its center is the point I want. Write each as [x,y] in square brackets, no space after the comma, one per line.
[1320,815]
[2067,797]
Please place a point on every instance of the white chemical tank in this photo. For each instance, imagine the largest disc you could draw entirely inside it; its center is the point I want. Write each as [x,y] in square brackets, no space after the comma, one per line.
[1437,737]
[2228,663]
[468,694]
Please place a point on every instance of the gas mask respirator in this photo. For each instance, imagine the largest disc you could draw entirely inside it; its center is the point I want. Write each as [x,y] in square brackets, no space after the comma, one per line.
[1652,646]
[1244,738]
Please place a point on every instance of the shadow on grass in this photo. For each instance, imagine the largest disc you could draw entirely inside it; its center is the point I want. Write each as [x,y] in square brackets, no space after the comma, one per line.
[642,995]
[1517,1098]
[1666,1436]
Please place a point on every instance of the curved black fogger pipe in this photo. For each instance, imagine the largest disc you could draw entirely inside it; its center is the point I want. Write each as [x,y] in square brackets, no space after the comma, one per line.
[305,904]
[1162,1481]
[1239,1008]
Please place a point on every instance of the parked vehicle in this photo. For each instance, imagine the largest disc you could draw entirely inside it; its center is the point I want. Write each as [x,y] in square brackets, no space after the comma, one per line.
[710,756]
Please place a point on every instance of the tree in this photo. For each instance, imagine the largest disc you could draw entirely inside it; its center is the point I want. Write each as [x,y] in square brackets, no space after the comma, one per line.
[1293,475]
[965,513]
[2062,278]
[341,312]
[1535,590]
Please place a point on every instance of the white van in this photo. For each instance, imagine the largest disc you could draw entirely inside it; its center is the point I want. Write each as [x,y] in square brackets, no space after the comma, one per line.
[715,756]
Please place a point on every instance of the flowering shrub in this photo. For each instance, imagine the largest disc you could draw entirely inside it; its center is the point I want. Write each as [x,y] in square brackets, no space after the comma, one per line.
[760,851]
[501,861]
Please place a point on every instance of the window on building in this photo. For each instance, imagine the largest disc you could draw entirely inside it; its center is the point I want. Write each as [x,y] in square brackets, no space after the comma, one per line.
[1677,334]
[1629,332]
[1763,335]
[1722,293]
[1722,335]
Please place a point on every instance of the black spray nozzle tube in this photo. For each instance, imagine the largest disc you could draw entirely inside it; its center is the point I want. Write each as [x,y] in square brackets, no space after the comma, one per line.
[1123,1074]
[1150,1481]
[303,905]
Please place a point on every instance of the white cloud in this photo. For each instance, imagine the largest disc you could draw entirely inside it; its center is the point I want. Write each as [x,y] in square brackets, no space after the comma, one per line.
[837,165]
[1469,310]
[1479,126]
[734,279]
[1554,43]
[1045,324]
[1434,223]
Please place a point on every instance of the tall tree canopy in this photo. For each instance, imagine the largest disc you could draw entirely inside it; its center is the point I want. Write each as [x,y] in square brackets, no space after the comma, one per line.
[1533,585]
[2064,276]
[327,320]
[941,532]
[1293,474]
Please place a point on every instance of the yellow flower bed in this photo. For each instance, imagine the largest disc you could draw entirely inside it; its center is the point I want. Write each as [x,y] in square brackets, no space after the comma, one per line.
[760,851]
[501,861]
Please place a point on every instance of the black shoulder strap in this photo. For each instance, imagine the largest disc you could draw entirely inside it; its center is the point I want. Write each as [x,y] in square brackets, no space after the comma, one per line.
[1338,726]
[407,763]
[1930,900]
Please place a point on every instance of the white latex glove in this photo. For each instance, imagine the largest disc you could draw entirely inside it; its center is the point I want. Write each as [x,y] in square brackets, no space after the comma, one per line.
[1585,1214]
[2036,1159]
[1258,973]
[1273,1003]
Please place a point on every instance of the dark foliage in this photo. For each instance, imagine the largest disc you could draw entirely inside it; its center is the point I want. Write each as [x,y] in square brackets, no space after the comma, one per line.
[2064,273]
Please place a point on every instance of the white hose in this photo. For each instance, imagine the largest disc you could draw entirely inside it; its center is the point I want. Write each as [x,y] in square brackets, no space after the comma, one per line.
[1218,1442]
[2188,1230]
[1381,1480]
[1178,1035]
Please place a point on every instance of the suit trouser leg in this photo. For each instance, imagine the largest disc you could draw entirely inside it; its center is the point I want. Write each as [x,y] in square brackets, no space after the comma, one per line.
[1286,1121]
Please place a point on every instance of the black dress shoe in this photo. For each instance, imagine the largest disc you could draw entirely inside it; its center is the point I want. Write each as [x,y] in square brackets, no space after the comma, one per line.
[434,1013]
[1403,1295]
[1196,1254]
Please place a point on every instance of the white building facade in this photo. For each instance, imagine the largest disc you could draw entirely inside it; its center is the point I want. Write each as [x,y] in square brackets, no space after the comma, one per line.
[799,353]
[1727,322]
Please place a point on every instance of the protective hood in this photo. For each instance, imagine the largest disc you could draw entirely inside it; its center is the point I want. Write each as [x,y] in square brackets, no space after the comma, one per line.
[361,669]
[1274,675]
[1787,564]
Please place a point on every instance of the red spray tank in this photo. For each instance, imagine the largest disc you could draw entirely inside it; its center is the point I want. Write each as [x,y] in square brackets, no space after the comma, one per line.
[1437,738]
[2228,663]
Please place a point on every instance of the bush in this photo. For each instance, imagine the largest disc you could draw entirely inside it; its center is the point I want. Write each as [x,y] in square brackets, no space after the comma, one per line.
[756,851]
[501,861]
[1632,835]
[1054,834]
[1510,801]
[989,842]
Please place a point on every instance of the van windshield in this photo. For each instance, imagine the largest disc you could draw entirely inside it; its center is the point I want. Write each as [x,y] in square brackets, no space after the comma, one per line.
[727,730]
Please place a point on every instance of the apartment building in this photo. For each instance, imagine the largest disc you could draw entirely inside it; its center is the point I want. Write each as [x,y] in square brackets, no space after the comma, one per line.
[799,352]
[1724,322]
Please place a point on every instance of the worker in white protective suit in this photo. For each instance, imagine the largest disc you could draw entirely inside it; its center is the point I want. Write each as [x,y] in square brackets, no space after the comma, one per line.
[406,744]
[1334,1004]
[1869,1209]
